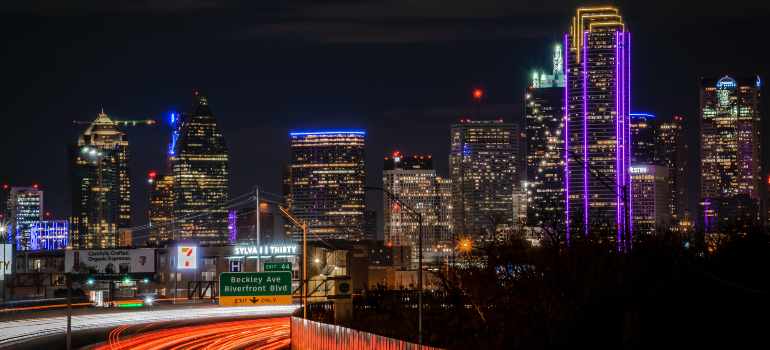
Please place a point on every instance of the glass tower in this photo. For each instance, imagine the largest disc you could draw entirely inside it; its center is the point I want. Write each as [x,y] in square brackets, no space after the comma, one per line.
[327,182]
[100,187]
[199,161]
[544,110]
[730,140]
[24,210]
[161,207]
[671,152]
[485,171]
[598,117]
[642,138]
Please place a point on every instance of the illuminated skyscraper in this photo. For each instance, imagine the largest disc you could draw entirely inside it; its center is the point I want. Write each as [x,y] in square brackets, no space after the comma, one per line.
[161,207]
[544,111]
[24,210]
[671,152]
[327,182]
[414,182]
[199,161]
[730,140]
[485,171]
[651,196]
[642,138]
[598,115]
[100,187]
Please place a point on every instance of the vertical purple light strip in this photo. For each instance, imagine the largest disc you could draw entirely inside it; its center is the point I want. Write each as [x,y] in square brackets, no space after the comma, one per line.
[630,208]
[566,129]
[620,179]
[618,142]
[585,127]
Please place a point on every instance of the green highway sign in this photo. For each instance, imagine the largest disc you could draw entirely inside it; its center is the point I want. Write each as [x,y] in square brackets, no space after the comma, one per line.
[277,266]
[254,288]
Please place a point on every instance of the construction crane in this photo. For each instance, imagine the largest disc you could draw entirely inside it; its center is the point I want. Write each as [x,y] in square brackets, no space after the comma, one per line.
[125,122]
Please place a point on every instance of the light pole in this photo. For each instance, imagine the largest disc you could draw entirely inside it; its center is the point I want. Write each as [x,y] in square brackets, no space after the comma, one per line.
[624,195]
[303,226]
[417,216]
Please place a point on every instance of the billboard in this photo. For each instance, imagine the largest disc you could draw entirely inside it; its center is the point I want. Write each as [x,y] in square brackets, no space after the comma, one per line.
[6,255]
[187,257]
[110,263]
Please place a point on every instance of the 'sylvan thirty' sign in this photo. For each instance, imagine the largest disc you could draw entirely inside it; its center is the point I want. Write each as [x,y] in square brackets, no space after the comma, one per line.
[254,288]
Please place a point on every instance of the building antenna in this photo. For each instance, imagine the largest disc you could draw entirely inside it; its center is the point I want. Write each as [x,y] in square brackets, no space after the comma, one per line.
[477,95]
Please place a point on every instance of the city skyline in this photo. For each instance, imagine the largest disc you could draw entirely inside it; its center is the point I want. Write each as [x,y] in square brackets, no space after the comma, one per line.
[377,111]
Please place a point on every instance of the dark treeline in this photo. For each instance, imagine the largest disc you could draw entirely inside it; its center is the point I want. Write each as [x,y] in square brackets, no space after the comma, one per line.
[673,289]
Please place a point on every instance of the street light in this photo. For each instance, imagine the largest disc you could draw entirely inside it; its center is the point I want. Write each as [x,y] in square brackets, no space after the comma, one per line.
[417,216]
[624,195]
[304,228]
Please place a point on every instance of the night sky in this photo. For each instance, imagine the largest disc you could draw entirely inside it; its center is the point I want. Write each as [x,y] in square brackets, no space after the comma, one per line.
[403,71]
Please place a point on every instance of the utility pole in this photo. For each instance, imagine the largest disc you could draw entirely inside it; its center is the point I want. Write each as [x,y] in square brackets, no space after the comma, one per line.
[69,311]
[259,246]
[304,228]
[416,216]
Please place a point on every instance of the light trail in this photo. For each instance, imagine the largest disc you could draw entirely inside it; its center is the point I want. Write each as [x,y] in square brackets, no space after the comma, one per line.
[14,331]
[264,334]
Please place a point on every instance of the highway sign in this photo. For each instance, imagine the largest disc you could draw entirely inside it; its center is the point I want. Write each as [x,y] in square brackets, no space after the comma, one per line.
[235,265]
[277,266]
[254,288]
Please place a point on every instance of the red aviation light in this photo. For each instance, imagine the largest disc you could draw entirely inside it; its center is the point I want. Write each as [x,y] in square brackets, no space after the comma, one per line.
[390,244]
[5,186]
[47,214]
[428,156]
[35,186]
[152,174]
[396,206]
[477,93]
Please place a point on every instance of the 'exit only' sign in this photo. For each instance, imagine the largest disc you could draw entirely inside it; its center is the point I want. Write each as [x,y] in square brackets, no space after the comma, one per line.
[254,288]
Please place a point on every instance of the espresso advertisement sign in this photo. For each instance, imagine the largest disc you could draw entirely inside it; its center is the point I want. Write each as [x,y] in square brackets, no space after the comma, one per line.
[110,263]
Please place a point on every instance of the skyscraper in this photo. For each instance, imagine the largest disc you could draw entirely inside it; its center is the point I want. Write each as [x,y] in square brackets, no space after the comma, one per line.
[24,210]
[100,187]
[651,196]
[414,182]
[671,152]
[642,138]
[485,171]
[598,116]
[199,161]
[327,182]
[161,207]
[544,110]
[730,140]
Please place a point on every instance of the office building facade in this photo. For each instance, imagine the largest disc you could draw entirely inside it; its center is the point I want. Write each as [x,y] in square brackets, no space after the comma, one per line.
[598,119]
[413,181]
[730,137]
[161,207]
[199,160]
[99,187]
[544,141]
[485,166]
[48,235]
[671,152]
[642,138]
[24,209]
[327,182]
[650,191]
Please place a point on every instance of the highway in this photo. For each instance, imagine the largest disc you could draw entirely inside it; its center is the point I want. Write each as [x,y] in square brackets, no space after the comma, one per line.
[265,334]
[17,332]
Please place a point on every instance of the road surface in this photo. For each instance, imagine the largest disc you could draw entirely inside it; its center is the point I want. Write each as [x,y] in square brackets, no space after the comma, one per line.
[16,332]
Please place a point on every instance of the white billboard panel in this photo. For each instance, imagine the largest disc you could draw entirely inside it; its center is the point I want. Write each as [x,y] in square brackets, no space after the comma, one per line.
[109,262]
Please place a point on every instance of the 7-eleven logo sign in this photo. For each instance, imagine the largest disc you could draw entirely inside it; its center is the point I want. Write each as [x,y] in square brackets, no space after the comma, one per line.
[187,257]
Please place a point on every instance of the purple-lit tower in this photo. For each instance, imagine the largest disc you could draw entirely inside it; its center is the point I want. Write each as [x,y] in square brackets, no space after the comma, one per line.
[598,118]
